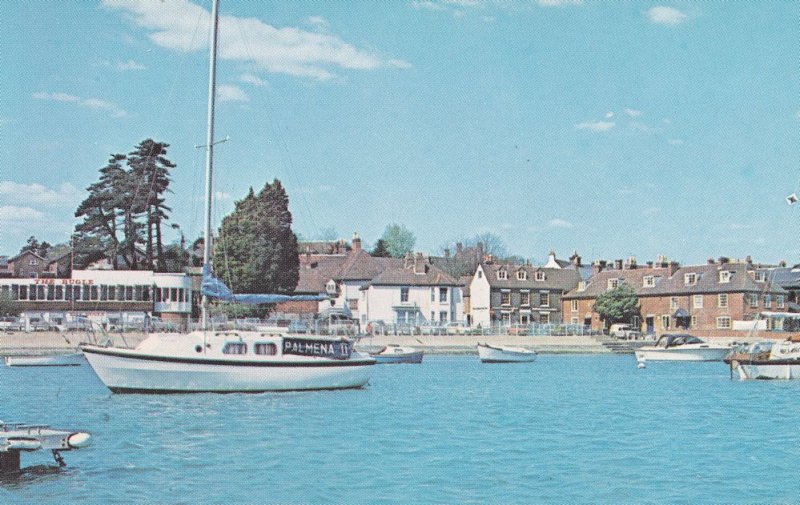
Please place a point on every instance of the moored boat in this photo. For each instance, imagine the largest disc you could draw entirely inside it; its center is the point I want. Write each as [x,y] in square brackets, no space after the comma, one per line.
[503,354]
[393,353]
[682,347]
[767,360]
[71,359]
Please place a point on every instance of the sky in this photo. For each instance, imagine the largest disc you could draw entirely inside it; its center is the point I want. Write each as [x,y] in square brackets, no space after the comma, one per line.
[613,129]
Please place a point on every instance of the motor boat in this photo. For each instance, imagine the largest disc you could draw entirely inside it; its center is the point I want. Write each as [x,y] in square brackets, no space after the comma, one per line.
[70,359]
[502,354]
[766,360]
[230,361]
[682,347]
[393,353]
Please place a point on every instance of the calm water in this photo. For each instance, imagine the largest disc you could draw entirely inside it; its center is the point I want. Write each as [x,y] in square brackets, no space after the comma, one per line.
[577,429]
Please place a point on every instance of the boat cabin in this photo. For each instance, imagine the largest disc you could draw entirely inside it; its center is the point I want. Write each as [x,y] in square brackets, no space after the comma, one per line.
[674,340]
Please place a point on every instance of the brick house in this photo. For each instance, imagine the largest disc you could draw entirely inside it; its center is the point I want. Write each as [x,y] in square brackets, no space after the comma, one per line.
[715,299]
[29,264]
[506,294]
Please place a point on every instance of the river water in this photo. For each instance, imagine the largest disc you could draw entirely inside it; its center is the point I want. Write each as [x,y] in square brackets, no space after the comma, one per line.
[565,429]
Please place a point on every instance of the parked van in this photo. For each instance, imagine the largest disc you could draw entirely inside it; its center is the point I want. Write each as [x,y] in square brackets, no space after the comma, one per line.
[623,331]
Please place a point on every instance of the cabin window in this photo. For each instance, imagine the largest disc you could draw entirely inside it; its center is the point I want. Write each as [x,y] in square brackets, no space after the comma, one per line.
[234,348]
[724,323]
[722,300]
[266,349]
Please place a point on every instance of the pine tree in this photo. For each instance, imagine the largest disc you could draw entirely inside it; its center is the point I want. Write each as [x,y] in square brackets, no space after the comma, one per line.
[380,250]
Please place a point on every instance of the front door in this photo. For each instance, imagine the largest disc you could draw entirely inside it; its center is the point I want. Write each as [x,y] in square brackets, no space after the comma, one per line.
[650,322]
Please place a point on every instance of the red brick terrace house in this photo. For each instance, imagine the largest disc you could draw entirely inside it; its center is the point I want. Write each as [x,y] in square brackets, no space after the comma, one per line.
[720,298]
[29,264]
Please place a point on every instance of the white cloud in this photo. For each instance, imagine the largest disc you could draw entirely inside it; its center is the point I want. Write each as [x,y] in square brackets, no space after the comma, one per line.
[289,51]
[665,16]
[89,103]
[19,215]
[252,79]
[609,115]
[676,142]
[559,223]
[595,126]
[230,93]
[130,65]
[633,112]
[66,195]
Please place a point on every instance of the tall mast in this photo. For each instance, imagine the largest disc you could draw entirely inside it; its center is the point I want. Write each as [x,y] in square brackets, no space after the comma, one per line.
[212,86]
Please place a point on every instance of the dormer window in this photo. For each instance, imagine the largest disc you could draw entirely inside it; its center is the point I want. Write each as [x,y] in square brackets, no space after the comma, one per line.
[502,275]
[539,276]
[582,286]
[724,277]
[613,283]
[761,276]
[330,287]
[648,281]
[522,275]
[690,279]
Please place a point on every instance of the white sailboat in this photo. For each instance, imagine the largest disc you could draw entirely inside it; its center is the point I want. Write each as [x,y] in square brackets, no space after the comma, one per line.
[228,361]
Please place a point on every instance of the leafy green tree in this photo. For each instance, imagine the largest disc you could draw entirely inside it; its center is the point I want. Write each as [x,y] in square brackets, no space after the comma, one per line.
[398,240]
[380,250]
[619,305]
[256,251]
[9,307]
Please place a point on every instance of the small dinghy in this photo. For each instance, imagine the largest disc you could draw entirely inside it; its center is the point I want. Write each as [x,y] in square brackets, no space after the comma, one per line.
[502,354]
[71,359]
[393,353]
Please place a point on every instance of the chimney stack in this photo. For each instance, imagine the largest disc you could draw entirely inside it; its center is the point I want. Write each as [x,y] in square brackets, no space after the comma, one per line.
[356,242]
[673,267]
[617,264]
[575,259]
[419,264]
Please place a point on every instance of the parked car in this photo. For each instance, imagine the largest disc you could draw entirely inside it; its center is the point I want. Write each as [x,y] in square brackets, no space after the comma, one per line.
[11,324]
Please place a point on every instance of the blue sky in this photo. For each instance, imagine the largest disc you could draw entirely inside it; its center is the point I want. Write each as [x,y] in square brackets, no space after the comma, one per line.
[610,128]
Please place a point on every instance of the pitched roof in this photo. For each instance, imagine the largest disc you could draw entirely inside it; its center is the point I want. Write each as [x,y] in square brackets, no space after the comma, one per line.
[554,278]
[785,277]
[360,266]
[402,275]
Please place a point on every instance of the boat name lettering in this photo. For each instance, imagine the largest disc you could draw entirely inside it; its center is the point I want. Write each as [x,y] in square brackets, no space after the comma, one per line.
[85,282]
[324,348]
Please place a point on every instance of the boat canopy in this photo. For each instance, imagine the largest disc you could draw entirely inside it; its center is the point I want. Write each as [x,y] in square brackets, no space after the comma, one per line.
[215,288]
[676,339]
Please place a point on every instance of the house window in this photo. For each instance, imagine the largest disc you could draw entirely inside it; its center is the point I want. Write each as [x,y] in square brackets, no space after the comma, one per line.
[433,294]
[574,320]
[539,276]
[613,283]
[480,274]
[525,298]
[524,319]
[779,300]
[722,300]
[724,277]
[522,275]
[442,295]
[505,298]
[544,317]
[761,276]
[767,301]
[665,320]
[753,300]
[694,322]
[234,348]
[673,302]
[33,262]
[697,301]
[352,304]
[573,305]
[266,349]
[690,279]
[648,281]
[582,286]
[403,294]
[544,299]
[443,316]
[502,275]
[724,323]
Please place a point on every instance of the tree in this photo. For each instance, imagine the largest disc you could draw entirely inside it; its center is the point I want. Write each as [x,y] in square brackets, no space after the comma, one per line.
[256,251]
[8,307]
[380,250]
[619,305]
[36,247]
[398,240]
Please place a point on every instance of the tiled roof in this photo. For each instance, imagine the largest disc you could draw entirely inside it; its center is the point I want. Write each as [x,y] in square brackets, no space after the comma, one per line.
[360,266]
[555,278]
[316,274]
[707,281]
[785,277]
[401,275]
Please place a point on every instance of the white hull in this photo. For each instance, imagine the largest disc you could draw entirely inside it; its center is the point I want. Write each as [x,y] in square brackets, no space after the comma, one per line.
[395,354]
[679,354]
[491,354]
[171,364]
[72,359]
[786,371]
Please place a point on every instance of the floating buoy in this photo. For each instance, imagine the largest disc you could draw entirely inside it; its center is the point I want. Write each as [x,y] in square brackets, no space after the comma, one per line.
[641,365]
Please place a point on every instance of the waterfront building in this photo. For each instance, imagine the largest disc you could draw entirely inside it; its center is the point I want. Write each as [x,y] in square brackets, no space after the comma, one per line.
[414,292]
[107,297]
[505,294]
[720,298]
[29,264]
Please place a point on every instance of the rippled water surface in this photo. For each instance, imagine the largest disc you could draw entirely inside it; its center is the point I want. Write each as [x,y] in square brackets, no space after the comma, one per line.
[565,429]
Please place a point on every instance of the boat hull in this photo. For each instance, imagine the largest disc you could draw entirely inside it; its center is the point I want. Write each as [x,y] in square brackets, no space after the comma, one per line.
[489,354]
[131,372]
[414,357]
[772,370]
[72,359]
[677,354]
